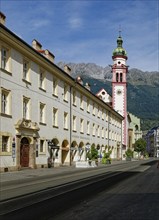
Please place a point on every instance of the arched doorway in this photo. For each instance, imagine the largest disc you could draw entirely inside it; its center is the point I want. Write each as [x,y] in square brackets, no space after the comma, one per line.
[81,155]
[24,152]
[65,149]
[73,152]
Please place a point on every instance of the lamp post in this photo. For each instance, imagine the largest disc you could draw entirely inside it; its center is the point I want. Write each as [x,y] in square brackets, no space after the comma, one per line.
[53,147]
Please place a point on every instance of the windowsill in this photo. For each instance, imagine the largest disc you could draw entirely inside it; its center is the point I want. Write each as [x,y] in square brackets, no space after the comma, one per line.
[42,123]
[65,100]
[88,134]
[44,90]
[5,115]
[26,81]
[42,153]
[66,129]
[93,135]
[81,132]
[55,126]
[5,153]
[6,71]
[74,131]
[55,95]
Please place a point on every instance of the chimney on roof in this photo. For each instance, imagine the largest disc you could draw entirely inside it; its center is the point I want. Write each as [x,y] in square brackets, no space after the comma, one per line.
[36,45]
[49,55]
[79,80]
[46,53]
[67,69]
[2,18]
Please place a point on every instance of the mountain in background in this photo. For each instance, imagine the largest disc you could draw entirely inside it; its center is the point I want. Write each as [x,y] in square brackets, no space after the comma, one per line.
[142,89]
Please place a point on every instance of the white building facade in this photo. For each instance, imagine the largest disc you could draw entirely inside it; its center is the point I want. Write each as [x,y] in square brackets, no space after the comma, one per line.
[45,114]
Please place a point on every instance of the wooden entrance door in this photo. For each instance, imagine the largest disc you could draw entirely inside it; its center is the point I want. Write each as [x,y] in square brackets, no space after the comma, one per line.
[24,153]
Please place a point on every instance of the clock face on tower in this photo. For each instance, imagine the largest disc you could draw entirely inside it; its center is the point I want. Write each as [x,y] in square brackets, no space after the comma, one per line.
[119,92]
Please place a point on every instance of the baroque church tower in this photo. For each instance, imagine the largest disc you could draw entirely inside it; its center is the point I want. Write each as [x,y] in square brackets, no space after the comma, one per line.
[119,86]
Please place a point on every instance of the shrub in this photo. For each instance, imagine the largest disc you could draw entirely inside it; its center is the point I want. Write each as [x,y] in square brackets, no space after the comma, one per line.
[129,153]
[106,157]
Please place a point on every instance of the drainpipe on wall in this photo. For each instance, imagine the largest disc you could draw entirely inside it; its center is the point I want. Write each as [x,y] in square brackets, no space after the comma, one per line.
[70,122]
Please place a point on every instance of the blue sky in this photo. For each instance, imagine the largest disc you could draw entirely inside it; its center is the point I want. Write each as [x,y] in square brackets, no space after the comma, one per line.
[86,30]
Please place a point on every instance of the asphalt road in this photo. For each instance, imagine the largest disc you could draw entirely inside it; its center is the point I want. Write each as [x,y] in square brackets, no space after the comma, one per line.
[134,198]
[125,193]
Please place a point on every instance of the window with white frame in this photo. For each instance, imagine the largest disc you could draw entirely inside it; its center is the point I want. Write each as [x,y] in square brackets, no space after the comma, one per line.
[98,131]
[110,135]
[65,120]
[98,114]
[106,133]
[74,98]
[81,125]
[25,69]
[102,114]
[112,119]
[88,127]
[74,123]
[94,110]
[5,101]
[5,143]
[94,129]
[115,136]
[55,87]
[102,132]
[81,101]
[88,105]
[5,58]
[65,92]
[26,107]
[42,112]
[42,146]
[55,117]
[42,79]
[106,113]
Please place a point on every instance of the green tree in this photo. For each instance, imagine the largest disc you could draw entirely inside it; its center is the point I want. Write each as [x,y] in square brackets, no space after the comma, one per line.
[140,146]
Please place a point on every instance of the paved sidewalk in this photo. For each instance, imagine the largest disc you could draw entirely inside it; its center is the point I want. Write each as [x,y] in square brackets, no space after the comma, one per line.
[31,173]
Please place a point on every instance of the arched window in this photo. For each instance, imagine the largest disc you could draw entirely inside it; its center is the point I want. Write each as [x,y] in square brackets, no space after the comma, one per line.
[136,128]
[121,77]
[117,77]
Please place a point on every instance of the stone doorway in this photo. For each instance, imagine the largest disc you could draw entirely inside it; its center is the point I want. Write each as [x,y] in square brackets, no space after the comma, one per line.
[24,152]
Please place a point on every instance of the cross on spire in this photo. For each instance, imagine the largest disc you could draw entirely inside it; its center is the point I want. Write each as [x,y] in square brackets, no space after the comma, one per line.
[119,30]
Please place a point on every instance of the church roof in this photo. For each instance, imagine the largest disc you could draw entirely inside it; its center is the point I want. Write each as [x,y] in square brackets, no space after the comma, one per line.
[119,51]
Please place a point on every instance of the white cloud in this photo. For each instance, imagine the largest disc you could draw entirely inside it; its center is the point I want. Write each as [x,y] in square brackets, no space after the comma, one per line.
[75,22]
[39,23]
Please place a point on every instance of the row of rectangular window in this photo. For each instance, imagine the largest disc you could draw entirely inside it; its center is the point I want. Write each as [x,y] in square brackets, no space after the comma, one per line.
[6,144]
[42,76]
[5,106]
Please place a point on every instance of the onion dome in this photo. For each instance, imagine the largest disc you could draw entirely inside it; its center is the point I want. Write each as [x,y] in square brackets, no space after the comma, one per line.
[119,51]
